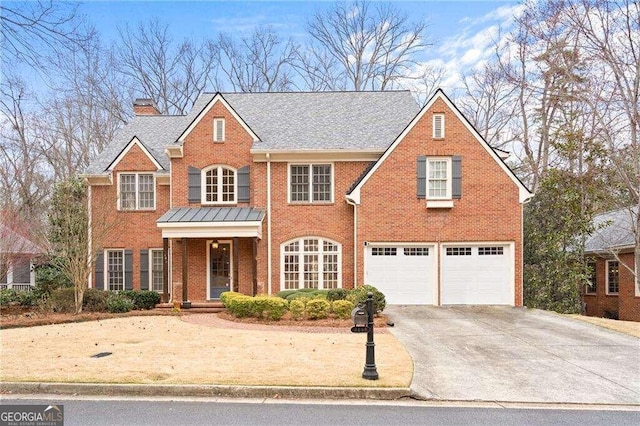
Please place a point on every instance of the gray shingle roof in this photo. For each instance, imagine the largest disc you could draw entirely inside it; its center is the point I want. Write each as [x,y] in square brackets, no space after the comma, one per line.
[155,132]
[15,243]
[614,229]
[283,121]
[211,214]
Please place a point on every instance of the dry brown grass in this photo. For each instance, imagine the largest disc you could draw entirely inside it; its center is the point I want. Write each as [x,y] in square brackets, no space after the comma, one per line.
[627,327]
[163,350]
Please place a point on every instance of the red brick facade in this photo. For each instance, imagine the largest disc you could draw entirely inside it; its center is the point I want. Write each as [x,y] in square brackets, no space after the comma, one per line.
[602,303]
[489,210]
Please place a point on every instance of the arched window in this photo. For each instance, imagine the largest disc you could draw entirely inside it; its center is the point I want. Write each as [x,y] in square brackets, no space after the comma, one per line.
[311,262]
[218,185]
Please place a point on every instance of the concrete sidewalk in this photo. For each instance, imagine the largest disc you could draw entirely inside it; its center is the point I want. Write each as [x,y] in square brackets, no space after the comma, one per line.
[516,355]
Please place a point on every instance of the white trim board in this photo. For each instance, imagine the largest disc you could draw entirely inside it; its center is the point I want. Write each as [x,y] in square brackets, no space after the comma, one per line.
[134,141]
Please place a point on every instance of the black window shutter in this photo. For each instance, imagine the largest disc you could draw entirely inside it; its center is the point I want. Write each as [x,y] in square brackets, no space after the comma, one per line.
[422,176]
[144,269]
[128,269]
[456,174]
[243,185]
[194,185]
[99,266]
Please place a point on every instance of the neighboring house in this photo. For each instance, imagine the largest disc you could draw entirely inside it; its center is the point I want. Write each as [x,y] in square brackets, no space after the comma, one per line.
[610,249]
[16,260]
[261,192]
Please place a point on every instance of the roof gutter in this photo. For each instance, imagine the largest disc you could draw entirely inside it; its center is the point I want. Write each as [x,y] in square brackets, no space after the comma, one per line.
[355,238]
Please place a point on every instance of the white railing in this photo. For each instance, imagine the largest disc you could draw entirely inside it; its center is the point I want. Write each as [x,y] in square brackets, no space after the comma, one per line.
[17,287]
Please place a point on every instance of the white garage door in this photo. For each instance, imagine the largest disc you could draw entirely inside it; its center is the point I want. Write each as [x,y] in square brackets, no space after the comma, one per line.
[405,274]
[477,275]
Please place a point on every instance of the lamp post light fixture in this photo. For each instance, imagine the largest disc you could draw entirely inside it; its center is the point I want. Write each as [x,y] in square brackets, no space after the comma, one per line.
[363,322]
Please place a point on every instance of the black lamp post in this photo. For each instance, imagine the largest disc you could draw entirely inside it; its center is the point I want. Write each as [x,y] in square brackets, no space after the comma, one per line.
[370,372]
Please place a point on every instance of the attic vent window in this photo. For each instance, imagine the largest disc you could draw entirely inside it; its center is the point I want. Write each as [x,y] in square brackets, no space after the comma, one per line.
[438,126]
[218,130]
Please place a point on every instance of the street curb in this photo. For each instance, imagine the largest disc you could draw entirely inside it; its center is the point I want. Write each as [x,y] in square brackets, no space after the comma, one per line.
[284,392]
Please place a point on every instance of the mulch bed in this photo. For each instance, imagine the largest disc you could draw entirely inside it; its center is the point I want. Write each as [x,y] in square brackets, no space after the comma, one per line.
[19,316]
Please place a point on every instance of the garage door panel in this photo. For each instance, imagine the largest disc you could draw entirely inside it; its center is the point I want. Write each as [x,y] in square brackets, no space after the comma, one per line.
[403,274]
[477,275]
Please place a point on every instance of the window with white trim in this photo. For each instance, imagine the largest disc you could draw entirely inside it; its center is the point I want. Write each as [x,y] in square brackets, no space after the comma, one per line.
[137,191]
[438,178]
[458,251]
[114,269]
[591,286]
[156,266]
[311,262]
[218,129]
[219,185]
[613,277]
[384,251]
[312,183]
[438,126]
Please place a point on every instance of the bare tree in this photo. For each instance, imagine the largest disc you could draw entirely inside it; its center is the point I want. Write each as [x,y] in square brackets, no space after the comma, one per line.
[23,175]
[31,29]
[488,103]
[610,37]
[85,110]
[172,74]
[259,63]
[372,47]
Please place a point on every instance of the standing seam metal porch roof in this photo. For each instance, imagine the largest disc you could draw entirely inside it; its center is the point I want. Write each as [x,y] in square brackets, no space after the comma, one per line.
[212,214]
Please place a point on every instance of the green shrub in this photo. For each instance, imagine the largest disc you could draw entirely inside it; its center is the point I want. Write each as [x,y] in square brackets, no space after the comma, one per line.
[304,296]
[342,308]
[284,293]
[118,303]
[307,290]
[146,299]
[27,298]
[336,294]
[49,278]
[63,300]
[317,308]
[358,296]
[7,296]
[225,297]
[296,307]
[268,307]
[95,300]
[241,306]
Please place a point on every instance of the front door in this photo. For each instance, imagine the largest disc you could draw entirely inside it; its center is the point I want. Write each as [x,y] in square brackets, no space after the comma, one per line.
[220,269]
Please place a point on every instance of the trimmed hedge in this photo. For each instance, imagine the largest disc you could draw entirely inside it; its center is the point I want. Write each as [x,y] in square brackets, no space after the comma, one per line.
[95,300]
[119,303]
[317,309]
[358,296]
[296,307]
[337,294]
[342,308]
[268,307]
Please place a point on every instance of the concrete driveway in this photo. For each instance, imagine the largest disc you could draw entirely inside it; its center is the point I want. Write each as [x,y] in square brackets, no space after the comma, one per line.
[516,355]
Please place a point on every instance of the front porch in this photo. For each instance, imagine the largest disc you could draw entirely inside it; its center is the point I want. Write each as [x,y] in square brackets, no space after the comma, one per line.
[213,250]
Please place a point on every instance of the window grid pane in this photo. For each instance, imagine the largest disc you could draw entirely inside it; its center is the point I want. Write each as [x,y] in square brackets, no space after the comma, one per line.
[291,271]
[228,185]
[157,268]
[490,251]
[310,271]
[145,191]
[458,251]
[330,271]
[115,269]
[322,182]
[416,251]
[384,251]
[211,186]
[299,183]
[437,178]
[128,192]
[613,277]
[592,286]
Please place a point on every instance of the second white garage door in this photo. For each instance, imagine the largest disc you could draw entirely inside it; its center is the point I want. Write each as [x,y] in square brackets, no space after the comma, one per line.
[477,275]
[405,274]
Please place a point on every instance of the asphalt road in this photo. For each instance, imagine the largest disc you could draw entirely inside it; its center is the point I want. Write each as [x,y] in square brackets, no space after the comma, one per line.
[112,412]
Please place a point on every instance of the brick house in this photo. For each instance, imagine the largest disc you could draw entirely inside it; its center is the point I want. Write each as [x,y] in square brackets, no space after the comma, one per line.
[260,192]
[612,291]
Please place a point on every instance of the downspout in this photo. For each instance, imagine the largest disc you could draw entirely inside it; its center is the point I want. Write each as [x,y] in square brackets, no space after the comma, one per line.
[526,201]
[268,223]
[89,236]
[355,240]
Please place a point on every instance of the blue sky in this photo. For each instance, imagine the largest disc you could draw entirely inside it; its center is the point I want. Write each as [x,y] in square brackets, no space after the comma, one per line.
[462,31]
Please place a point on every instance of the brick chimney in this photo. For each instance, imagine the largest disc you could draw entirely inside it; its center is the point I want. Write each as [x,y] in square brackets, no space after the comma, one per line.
[142,106]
